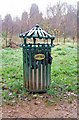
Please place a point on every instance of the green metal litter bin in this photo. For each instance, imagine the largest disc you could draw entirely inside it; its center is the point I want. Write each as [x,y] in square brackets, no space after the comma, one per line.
[37,59]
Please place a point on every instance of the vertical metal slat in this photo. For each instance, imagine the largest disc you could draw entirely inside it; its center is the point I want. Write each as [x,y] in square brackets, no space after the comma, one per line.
[43,68]
[30,70]
[37,83]
[34,69]
[24,66]
[41,77]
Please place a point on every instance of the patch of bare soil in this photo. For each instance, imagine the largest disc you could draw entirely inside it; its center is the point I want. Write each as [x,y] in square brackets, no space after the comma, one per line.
[38,107]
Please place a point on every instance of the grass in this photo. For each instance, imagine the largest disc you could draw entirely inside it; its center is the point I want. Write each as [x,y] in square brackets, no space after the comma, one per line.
[63,72]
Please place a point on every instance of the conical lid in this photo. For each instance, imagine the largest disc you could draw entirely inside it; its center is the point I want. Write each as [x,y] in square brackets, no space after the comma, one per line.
[37,32]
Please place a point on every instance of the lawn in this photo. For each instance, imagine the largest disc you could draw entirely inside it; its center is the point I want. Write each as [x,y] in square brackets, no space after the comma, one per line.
[63,72]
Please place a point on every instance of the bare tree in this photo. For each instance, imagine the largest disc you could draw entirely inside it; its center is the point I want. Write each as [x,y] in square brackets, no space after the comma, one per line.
[0,25]
[63,18]
[78,22]
[16,26]
[24,21]
[35,16]
[7,26]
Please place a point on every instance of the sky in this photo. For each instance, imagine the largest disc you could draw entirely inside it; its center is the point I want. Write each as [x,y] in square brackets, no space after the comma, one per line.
[16,7]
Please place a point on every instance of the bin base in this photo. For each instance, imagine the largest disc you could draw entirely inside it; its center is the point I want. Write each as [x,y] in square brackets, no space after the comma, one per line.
[37,91]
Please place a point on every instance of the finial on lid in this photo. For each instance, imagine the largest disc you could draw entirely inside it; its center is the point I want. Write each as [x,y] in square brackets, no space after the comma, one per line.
[37,25]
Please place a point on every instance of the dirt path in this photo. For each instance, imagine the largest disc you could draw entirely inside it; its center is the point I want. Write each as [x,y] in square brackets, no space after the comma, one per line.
[40,108]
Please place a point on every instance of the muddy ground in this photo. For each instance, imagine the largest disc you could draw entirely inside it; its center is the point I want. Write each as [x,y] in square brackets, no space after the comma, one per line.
[40,107]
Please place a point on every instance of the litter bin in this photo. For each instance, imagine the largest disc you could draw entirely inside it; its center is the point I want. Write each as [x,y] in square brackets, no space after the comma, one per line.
[37,59]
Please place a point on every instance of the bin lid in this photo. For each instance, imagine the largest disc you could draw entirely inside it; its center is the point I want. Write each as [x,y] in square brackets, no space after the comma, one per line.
[37,32]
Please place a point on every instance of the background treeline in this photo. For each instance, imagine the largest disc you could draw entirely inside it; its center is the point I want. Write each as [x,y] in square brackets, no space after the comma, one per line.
[60,20]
